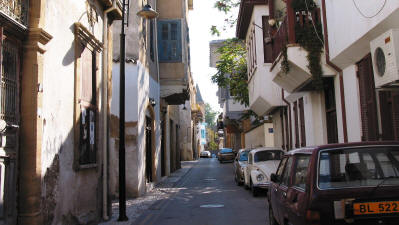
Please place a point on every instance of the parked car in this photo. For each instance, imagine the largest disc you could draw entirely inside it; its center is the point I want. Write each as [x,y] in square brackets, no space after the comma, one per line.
[206,154]
[355,183]
[261,163]
[240,162]
[226,154]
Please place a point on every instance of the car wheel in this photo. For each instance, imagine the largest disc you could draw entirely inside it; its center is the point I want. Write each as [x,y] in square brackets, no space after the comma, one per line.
[254,190]
[272,220]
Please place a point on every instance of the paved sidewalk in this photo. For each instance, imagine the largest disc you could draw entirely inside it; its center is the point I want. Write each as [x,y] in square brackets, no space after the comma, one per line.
[162,190]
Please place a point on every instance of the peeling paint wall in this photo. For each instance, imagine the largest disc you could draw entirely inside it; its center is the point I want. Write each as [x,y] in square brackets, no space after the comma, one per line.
[68,196]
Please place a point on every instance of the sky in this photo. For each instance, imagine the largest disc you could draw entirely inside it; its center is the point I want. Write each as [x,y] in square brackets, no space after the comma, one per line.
[200,20]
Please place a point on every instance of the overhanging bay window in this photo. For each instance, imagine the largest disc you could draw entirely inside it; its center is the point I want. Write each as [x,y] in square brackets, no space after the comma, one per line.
[169,41]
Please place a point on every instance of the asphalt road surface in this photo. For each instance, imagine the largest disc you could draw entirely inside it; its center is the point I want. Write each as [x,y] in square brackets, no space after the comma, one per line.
[208,195]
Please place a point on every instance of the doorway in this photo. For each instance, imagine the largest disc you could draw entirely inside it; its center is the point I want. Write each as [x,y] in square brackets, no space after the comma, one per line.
[148,155]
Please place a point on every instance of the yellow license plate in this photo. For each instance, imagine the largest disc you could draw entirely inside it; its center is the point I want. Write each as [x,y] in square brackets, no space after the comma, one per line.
[366,208]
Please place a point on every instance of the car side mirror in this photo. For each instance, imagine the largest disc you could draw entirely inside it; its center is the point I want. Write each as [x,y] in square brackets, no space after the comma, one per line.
[274,178]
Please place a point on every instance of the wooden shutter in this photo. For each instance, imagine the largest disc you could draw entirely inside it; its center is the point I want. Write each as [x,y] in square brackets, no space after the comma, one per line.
[169,41]
[331,112]
[267,47]
[368,105]
[395,113]
[87,76]
[302,123]
[386,115]
[282,128]
[296,125]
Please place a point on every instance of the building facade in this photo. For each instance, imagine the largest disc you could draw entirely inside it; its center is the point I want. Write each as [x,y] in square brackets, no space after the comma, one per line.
[53,110]
[311,105]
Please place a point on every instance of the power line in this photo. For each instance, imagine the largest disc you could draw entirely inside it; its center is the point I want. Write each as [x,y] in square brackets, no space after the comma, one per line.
[369,17]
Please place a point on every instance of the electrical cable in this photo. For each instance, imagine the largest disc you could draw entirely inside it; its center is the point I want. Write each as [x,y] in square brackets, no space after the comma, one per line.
[369,17]
[314,26]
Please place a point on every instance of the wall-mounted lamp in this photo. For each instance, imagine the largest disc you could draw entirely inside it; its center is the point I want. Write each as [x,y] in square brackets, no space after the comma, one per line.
[152,102]
[147,12]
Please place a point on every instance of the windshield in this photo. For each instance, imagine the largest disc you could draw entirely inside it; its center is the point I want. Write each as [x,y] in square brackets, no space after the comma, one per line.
[244,156]
[268,155]
[226,150]
[358,167]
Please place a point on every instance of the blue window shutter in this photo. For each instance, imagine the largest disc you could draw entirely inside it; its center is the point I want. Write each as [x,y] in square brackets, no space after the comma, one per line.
[169,41]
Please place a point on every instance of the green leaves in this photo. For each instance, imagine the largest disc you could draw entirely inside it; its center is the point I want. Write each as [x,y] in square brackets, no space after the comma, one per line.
[232,70]
[226,5]
[210,115]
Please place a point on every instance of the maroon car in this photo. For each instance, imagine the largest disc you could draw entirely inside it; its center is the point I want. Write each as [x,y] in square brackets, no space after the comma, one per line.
[356,183]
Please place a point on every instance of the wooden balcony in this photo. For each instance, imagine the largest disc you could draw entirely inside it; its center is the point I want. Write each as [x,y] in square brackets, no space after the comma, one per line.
[16,10]
[298,76]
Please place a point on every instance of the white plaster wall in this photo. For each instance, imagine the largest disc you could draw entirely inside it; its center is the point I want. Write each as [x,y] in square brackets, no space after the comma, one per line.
[263,93]
[269,137]
[278,131]
[257,137]
[344,18]
[315,119]
[352,100]
[131,112]
[235,106]
[80,198]
[147,88]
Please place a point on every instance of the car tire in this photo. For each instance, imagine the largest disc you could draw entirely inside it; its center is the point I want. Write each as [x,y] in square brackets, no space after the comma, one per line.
[254,190]
[272,220]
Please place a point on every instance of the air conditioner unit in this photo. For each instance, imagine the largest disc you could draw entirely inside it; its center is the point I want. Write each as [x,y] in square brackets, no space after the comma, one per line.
[385,57]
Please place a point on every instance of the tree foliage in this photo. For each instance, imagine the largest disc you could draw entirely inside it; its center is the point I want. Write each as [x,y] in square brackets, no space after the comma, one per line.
[225,6]
[210,115]
[232,70]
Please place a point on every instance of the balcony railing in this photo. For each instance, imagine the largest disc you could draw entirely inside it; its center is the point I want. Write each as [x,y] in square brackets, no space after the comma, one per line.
[285,33]
[16,10]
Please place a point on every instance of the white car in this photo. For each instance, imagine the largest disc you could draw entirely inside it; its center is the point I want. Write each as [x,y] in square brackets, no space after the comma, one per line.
[206,154]
[261,163]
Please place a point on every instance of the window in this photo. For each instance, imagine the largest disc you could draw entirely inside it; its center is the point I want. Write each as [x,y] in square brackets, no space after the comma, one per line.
[243,156]
[281,166]
[169,42]
[9,50]
[251,53]
[152,40]
[358,167]
[88,49]
[286,174]
[301,171]
[268,155]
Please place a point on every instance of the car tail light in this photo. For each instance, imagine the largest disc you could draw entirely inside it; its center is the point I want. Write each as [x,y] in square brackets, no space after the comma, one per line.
[313,217]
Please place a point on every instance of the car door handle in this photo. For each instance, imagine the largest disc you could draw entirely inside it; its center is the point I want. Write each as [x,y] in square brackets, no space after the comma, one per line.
[284,194]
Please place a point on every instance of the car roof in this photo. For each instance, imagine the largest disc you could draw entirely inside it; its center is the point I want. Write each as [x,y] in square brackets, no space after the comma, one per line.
[311,149]
[265,149]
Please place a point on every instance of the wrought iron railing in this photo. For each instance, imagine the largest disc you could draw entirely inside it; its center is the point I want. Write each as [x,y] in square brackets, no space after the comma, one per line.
[16,9]
[8,83]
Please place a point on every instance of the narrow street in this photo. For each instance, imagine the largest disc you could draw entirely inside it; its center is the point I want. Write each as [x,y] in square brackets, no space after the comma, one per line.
[208,183]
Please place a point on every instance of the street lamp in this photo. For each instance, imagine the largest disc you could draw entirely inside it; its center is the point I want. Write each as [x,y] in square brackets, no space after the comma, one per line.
[148,13]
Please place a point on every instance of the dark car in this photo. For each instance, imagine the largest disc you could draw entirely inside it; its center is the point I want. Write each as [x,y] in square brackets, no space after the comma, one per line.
[240,162]
[355,183]
[226,154]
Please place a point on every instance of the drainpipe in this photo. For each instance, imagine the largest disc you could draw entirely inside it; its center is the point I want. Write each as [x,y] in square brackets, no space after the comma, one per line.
[105,110]
[339,70]
[289,119]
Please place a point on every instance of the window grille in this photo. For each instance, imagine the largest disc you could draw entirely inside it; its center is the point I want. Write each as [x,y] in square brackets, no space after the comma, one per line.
[8,85]
[16,10]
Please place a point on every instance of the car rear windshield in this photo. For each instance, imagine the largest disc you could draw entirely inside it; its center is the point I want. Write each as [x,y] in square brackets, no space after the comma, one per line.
[268,155]
[244,156]
[355,167]
[226,150]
